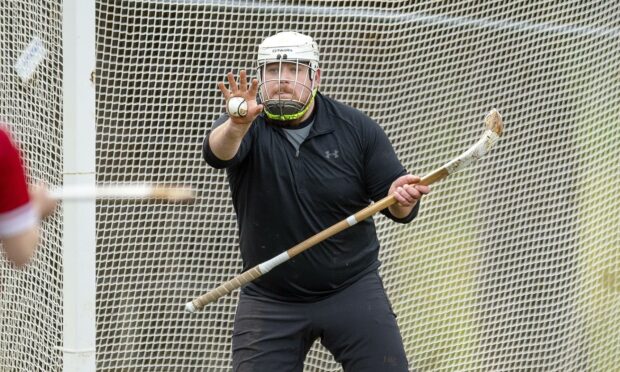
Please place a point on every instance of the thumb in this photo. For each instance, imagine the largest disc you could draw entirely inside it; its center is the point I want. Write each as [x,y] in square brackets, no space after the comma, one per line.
[257,110]
[408,179]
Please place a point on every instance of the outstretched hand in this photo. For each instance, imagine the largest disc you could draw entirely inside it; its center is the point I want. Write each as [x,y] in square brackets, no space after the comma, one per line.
[246,92]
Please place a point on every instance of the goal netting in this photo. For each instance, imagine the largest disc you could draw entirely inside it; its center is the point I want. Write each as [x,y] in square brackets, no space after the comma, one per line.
[513,264]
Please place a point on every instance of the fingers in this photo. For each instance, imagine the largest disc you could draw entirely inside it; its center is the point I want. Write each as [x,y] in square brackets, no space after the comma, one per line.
[256,110]
[406,180]
[240,89]
[234,89]
[243,81]
[423,189]
[224,91]
[407,192]
[407,195]
[232,83]
[254,88]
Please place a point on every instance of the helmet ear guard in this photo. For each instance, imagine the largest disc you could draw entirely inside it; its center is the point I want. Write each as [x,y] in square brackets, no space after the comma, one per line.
[288,47]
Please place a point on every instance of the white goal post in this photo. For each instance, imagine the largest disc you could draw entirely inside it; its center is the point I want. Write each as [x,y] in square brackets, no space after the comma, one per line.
[515,265]
[79,163]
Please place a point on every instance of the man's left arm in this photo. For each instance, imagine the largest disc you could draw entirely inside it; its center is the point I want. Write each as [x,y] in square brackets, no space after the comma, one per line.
[385,175]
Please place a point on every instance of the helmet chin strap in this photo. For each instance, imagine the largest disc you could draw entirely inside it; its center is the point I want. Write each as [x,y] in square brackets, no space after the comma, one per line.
[287,110]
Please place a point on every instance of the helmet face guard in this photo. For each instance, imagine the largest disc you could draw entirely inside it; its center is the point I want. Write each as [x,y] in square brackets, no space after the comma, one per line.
[286,68]
[286,88]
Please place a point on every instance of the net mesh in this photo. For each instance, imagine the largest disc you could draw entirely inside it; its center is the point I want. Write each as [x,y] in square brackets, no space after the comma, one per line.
[513,264]
[31,330]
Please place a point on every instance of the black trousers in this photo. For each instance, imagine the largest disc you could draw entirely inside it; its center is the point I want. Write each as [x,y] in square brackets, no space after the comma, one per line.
[357,325]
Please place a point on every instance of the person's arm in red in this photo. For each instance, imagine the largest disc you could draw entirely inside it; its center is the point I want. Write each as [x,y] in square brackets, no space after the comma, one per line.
[21,209]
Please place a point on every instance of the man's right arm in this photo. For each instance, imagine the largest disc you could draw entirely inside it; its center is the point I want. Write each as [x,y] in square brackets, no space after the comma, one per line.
[226,144]
[224,141]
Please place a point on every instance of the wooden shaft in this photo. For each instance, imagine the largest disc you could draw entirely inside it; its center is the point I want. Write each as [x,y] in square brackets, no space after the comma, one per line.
[434,176]
[122,191]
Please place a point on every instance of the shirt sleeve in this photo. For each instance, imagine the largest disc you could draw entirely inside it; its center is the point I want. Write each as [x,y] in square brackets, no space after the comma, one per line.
[218,163]
[382,168]
[17,213]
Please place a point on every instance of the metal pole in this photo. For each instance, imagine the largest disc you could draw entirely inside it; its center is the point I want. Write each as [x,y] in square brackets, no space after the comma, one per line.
[79,235]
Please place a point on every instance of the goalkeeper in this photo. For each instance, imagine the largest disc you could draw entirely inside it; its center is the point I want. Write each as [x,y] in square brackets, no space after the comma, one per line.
[297,163]
[20,209]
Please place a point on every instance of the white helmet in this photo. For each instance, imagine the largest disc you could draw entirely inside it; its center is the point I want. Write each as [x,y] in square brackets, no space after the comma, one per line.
[288,47]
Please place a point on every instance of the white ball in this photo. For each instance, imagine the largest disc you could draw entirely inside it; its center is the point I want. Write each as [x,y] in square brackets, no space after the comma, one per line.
[237,107]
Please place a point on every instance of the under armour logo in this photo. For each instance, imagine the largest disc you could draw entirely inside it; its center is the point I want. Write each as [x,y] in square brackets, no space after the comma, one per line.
[331,154]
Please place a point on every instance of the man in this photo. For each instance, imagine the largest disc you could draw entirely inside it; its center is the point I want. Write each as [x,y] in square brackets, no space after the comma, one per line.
[297,163]
[20,209]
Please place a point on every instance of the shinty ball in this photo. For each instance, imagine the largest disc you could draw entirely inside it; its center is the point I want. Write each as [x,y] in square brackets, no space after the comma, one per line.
[237,107]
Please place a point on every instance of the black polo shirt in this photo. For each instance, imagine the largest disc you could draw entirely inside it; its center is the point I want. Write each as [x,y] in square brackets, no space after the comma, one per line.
[283,196]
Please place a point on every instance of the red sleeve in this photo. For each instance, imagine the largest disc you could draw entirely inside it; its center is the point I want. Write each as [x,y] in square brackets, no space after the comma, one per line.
[13,187]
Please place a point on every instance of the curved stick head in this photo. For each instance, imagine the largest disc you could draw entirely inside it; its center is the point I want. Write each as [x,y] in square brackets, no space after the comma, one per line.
[494,122]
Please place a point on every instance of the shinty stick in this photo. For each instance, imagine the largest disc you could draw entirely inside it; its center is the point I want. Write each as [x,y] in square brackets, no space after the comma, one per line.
[123,191]
[495,128]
